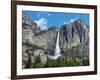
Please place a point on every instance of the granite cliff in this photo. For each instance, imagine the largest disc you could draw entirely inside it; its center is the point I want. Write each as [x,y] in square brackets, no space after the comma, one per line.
[74,40]
[37,42]
[73,34]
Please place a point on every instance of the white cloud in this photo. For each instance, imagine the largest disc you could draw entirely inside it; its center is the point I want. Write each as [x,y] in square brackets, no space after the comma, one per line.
[43,14]
[71,20]
[64,23]
[42,23]
[48,14]
[39,15]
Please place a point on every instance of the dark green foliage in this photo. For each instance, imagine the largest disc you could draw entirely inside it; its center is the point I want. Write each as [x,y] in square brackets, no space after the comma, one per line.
[29,63]
[73,61]
[38,63]
[49,63]
[85,61]
[61,62]
[66,62]
[37,59]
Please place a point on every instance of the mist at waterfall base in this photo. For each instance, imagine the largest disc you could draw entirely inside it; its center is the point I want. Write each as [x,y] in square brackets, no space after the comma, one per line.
[57,49]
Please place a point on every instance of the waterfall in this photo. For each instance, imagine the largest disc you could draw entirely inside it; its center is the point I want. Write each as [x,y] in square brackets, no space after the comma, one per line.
[57,49]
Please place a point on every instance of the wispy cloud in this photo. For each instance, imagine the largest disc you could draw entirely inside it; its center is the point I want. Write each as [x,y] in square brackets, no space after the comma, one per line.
[48,14]
[64,23]
[71,20]
[45,14]
[42,23]
[39,15]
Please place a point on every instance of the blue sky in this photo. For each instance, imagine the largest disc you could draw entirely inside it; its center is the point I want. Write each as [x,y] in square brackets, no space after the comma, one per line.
[48,19]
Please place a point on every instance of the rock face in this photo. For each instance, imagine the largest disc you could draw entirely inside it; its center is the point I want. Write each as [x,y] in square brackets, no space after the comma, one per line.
[46,39]
[29,29]
[74,41]
[36,42]
[73,34]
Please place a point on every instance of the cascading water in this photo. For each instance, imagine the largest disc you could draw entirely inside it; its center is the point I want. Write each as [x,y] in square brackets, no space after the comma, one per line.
[57,49]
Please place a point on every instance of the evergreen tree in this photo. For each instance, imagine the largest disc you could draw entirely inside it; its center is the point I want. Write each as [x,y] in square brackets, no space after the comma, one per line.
[38,63]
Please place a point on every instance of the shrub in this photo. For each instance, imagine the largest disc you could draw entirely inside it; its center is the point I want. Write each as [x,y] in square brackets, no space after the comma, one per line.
[85,61]
[73,61]
[29,63]
[49,63]
[37,63]
[61,62]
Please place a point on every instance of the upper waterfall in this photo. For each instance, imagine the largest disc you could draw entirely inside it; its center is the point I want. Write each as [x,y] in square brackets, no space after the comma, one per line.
[57,49]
